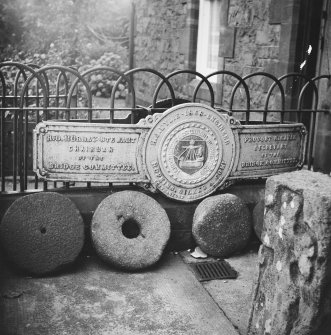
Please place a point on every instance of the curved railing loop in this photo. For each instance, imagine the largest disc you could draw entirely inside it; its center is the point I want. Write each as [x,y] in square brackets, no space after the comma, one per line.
[157,73]
[145,69]
[278,83]
[172,74]
[225,72]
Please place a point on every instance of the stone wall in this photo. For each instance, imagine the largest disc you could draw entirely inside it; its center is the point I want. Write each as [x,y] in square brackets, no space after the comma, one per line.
[166,38]
[256,47]
[159,42]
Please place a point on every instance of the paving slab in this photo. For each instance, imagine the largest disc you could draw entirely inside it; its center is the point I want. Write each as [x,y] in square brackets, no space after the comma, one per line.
[95,299]
[234,296]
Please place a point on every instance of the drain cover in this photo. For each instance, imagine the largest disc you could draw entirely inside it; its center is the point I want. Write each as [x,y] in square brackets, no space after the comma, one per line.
[214,270]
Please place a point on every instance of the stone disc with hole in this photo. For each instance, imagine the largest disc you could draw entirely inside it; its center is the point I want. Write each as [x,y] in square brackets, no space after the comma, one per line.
[42,232]
[130,230]
[222,225]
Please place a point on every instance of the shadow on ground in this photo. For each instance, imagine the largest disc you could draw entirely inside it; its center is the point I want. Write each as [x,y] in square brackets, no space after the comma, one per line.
[93,298]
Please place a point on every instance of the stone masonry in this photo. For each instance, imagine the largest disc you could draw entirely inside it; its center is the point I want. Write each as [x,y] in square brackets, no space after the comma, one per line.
[159,43]
[166,40]
[293,291]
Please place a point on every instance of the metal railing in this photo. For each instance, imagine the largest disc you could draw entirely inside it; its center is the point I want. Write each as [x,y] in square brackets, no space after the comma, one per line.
[30,94]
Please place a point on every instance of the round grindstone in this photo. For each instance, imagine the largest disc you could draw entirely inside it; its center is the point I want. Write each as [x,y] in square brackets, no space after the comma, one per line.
[42,232]
[130,230]
[221,225]
[258,218]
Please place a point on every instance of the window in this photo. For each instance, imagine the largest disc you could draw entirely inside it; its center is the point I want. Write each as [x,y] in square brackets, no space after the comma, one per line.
[208,36]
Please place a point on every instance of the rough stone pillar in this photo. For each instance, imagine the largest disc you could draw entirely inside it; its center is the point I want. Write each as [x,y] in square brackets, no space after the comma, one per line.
[293,289]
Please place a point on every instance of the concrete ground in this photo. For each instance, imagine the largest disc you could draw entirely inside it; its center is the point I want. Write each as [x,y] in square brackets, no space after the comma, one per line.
[93,298]
[234,296]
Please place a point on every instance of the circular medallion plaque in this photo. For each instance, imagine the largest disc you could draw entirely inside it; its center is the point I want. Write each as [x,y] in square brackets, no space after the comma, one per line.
[189,151]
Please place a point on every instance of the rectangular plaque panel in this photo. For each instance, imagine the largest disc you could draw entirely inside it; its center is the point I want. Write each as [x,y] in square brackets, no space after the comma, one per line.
[269,150]
[89,152]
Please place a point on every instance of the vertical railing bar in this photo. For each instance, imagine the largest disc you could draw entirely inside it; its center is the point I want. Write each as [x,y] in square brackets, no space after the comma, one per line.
[89,120]
[111,116]
[45,184]
[2,126]
[25,135]
[2,170]
[67,116]
[20,132]
[57,99]
[15,145]
[25,140]
[36,179]
[16,141]
[75,104]
[46,113]
[282,115]
[311,138]
[247,116]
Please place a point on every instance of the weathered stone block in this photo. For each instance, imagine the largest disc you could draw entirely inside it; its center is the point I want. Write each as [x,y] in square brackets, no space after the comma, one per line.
[292,294]
[130,230]
[258,218]
[42,232]
[262,37]
[226,42]
[222,225]
[275,12]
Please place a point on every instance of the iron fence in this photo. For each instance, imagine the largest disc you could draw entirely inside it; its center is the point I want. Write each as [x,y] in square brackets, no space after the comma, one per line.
[30,94]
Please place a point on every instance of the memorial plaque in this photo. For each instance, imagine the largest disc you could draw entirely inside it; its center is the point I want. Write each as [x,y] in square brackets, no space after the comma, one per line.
[268,149]
[189,152]
[89,152]
[186,153]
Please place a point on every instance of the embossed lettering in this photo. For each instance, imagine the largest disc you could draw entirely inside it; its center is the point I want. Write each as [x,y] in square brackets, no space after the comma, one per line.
[63,166]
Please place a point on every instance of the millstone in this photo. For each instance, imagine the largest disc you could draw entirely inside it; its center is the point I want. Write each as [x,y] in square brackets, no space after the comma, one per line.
[221,225]
[42,232]
[130,230]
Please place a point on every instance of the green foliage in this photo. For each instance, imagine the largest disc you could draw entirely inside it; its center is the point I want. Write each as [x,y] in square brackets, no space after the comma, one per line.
[82,34]
[67,31]
[102,82]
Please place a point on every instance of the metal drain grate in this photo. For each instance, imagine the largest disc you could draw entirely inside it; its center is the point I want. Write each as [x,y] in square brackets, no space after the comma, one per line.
[214,270]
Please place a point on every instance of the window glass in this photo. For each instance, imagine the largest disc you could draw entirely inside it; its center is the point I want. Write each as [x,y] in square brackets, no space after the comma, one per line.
[208,36]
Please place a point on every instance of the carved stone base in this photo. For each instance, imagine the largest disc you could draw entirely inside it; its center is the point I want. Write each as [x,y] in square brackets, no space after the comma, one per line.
[292,294]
